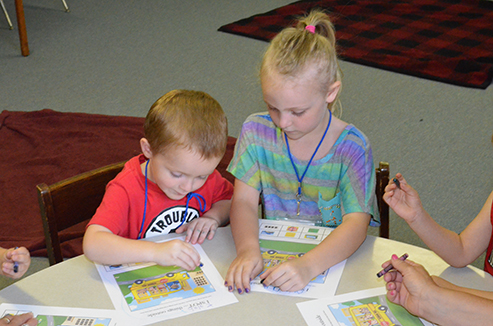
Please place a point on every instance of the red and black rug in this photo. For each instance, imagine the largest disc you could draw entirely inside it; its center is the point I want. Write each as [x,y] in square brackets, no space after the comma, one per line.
[444,40]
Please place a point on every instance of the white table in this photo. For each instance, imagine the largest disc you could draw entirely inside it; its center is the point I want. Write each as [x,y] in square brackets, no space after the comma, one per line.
[76,283]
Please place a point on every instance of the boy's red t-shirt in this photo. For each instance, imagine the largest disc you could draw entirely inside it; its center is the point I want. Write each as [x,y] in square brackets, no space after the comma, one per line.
[122,208]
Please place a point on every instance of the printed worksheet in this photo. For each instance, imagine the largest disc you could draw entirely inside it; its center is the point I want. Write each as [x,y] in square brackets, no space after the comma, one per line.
[362,308]
[281,241]
[61,316]
[147,293]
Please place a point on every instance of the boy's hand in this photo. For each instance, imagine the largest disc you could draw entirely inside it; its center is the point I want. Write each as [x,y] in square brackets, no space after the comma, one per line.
[19,257]
[242,270]
[292,275]
[199,229]
[176,252]
[403,199]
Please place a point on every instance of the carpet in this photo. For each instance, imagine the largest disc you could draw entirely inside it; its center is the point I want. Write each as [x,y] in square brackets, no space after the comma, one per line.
[450,41]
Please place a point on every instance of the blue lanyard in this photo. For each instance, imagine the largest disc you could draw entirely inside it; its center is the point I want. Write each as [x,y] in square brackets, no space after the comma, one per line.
[300,180]
[198,197]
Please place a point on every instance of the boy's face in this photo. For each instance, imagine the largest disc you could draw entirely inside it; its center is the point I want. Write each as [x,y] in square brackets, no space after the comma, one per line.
[179,171]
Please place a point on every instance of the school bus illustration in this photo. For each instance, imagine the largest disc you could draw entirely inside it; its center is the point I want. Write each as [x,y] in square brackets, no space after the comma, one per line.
[368,315]
[145,290]
[273,258]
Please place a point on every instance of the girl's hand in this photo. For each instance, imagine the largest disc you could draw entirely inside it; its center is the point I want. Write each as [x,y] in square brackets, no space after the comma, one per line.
[16,256]
[292,275]
[176,252]
[403,199]
[199,229]
[242,270]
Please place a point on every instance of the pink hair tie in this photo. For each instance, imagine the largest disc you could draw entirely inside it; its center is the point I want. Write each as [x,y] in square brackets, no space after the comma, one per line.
[310,28]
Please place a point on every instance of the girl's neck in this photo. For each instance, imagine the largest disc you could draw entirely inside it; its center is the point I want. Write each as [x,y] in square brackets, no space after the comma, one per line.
[304,147]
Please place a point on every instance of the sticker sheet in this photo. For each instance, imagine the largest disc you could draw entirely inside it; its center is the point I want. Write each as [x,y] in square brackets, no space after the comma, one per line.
[151,293]
[362,308]
[61,316]
[281,241]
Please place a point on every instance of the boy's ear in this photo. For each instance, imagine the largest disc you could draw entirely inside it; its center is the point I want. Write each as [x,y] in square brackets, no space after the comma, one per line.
[146,148]
[333,91]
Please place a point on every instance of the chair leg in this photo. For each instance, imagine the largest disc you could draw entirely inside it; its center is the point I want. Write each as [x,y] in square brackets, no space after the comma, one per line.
[65,5]
[6,14]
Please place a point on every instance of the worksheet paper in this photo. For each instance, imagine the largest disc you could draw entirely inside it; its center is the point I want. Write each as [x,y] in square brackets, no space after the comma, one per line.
[147,293]
[362,308]
[281,241]
[61,316]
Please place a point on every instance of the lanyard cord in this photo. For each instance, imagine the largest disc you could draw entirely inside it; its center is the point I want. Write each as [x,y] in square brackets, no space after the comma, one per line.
[300,180]
[200,200]
[145,203]
[199,197]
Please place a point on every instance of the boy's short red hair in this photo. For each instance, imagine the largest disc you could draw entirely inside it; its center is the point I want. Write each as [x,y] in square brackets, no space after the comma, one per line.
[188,119]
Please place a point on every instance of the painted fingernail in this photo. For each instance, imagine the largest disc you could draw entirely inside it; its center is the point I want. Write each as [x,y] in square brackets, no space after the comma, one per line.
[239,291]
[394,256]
[230,288]
[247,290]
[226,283]
[392,292]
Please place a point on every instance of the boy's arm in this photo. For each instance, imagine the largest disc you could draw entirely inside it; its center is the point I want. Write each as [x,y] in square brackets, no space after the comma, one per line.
[220,212]
[102,246]
[339,245]
[244,227]
[456,250]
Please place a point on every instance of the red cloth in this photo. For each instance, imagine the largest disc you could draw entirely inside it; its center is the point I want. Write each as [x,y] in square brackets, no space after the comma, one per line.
[488,261]
[122,207]
[46,147]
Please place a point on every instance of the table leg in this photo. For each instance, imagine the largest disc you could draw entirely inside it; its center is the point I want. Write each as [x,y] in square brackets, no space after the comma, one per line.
[21,23]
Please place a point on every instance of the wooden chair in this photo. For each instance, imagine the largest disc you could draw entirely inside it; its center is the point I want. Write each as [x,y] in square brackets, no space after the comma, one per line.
[382,180]
[70,202]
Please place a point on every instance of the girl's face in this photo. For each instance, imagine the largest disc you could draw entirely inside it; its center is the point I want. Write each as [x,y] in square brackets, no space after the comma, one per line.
[179,171]
[297,105]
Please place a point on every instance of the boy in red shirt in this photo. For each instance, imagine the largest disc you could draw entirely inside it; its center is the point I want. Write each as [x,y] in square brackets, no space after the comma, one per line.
[172,187]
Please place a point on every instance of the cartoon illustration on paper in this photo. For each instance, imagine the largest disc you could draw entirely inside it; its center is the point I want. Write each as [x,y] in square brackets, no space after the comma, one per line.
[372,311]
[153,285]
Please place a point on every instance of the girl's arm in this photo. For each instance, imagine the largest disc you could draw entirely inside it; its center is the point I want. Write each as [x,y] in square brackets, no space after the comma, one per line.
[244,226]
[341,243]
[102,246]
[456,250]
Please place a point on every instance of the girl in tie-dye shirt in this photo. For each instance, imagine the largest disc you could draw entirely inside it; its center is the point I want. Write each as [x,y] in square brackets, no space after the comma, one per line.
[308,165]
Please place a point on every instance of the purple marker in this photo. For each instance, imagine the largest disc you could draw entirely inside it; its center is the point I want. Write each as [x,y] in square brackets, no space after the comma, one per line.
[388,268]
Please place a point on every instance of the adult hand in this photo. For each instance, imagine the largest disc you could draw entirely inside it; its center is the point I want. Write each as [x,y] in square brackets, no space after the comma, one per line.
[26,319]
[408,285]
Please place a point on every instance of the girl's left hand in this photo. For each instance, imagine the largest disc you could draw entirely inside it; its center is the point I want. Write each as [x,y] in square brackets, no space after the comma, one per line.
[292,275]
[12,256]
[199,229]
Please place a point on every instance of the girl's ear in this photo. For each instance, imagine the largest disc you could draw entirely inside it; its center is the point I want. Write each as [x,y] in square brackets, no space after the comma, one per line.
[333,91]
[146,148]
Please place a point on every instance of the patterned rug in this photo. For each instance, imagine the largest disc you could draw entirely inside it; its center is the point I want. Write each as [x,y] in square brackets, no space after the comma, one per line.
[449,41]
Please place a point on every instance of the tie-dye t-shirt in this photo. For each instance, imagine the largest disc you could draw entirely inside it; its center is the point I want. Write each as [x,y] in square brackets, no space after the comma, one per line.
[261,160]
